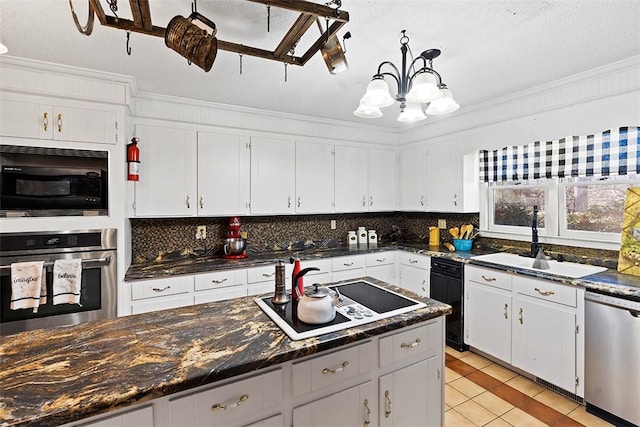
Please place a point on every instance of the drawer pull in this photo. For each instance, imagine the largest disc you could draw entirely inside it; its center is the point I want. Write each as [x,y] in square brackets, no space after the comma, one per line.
[59,122]
[161,289]
[520,313]
[218,281]
[224,407]
[411,345]
[367,414]
[380,260]
[268,274]
[387,404]
[506,307]
[326,371]
[544,293]
[347,264]
[188,202]
[488,279]
[413,261]
[45,121]
[201,202]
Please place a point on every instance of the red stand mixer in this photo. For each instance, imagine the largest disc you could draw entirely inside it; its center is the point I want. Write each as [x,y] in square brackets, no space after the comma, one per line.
[235,246]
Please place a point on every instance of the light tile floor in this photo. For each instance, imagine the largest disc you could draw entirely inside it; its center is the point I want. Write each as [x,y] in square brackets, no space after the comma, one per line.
[479,392]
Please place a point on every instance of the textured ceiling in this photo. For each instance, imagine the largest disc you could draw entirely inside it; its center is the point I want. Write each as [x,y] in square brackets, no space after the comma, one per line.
[489,48]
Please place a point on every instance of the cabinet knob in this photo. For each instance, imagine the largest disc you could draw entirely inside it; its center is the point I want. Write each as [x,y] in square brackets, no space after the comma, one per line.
[506,307]
[364,201]
[59,122]
[520,314]
[188,201]
[370,200]
[201,202]
[45,121]
[298,201]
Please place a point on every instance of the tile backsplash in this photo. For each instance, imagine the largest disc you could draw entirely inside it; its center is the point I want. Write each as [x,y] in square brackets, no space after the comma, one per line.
[151,237]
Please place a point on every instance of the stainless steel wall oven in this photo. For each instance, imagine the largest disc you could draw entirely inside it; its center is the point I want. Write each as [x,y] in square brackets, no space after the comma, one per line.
[97,251]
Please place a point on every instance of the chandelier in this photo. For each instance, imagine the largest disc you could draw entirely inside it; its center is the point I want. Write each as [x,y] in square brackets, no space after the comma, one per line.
[417,84]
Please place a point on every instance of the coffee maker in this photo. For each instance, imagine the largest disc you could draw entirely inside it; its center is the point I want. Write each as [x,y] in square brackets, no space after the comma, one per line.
[235,245]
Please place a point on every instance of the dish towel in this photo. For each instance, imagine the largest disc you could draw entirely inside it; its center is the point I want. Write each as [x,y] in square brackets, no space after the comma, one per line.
[28,285]
[67,277]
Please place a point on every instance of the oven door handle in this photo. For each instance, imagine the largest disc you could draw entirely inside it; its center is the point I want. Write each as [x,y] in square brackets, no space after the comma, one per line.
[85,262]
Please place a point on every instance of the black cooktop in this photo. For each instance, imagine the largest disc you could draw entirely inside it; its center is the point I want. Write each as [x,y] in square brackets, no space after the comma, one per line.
[373,297]
[363,293]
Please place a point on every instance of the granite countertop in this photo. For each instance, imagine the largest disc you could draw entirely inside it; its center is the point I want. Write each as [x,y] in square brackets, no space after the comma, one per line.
[58,375]
[610,281]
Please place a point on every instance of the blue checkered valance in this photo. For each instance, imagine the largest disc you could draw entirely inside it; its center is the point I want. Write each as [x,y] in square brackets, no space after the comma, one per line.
[613,152]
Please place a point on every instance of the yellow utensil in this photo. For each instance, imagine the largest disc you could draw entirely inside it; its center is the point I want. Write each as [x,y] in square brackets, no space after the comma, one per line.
[469,230]
[455,232]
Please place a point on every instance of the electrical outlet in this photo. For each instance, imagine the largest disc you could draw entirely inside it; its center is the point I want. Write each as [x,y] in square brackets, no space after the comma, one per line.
[442,223]
[201,232]
[333,224]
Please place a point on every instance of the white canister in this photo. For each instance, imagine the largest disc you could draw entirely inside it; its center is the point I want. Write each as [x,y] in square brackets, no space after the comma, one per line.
[352,239]
[362,237]
[373,238]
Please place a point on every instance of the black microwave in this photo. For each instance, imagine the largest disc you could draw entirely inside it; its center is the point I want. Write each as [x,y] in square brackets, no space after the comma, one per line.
[53,188]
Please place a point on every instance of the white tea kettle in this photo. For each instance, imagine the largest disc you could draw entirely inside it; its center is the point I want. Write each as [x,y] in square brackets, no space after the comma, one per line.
[317,306]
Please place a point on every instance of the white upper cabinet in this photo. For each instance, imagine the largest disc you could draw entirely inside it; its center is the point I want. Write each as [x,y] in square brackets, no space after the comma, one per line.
[272,176]
[168,176]
[314,178]
[413,177]
[351,179]
[224,163]
[366,179]
[452,179]
[33,118]
[383,180]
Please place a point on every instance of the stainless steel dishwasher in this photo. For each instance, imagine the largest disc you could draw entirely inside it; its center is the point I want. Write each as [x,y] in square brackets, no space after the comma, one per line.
[612,358]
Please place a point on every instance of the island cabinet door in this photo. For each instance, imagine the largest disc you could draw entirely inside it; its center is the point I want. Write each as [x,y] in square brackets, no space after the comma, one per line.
[412,396]
[355,406]
[238,403]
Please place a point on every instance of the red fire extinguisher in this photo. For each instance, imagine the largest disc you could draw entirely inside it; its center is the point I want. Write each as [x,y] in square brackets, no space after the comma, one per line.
[133,160]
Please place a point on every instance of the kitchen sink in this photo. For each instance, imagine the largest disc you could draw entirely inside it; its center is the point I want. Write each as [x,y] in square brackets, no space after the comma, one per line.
[363,302]
[565,269]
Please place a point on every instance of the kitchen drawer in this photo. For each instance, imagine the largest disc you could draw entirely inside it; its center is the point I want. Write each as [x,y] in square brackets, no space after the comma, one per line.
[352,262]
[380,258]
[488,276]
[220,294]
[219,279]
[266,273]
[161,287]
[415,260]
[224,404]
[333,368]
[321,276]
[545,290]
[411,343]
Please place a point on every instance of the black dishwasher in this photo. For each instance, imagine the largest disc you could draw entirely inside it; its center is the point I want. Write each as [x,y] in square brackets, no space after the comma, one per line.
[447,286]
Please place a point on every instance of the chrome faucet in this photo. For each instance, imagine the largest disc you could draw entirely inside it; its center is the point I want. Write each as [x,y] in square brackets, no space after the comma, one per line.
[534,232]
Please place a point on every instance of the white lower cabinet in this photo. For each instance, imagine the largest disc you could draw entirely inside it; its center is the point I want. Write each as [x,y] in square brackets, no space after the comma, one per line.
[218,286]
[411,396]
[531,324]
[415,272]
[161,294]
[354,406]
[275,421]
[381,266]
[235,403]
[348,267]
[142,417]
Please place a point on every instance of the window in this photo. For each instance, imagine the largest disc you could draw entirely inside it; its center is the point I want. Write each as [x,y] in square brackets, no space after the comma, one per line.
[574,208]
[594,206]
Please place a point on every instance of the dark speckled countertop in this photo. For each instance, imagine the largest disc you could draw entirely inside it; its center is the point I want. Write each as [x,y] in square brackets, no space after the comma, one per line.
[610,281]
[58,375]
